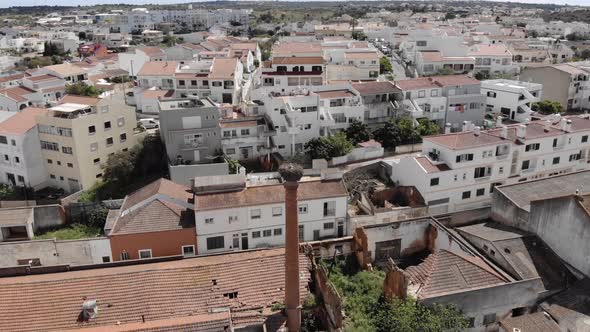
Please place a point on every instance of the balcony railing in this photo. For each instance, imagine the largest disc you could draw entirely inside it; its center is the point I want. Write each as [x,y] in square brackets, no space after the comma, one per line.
[293,73]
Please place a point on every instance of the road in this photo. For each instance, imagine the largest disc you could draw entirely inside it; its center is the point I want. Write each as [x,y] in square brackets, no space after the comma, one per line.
[399,73]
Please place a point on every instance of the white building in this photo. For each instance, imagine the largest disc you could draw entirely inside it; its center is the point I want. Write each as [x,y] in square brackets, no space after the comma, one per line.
[21,161]
[251,216]
[493,59]
[511,99]
[459,171]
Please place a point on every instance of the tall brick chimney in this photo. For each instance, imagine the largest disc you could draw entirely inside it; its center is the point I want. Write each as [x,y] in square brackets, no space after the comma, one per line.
[291,174]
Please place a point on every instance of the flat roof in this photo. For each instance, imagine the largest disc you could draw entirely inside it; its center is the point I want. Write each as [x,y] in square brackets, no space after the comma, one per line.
[68,107]
[523,193]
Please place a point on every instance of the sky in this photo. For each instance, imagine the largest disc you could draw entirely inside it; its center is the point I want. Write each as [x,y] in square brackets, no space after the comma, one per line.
[9,3]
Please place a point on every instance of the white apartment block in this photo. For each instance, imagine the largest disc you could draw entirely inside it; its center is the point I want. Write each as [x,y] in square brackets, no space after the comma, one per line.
[459,171]
[511,99]
[21,162]
[251,216]
[285,74]
[493,59]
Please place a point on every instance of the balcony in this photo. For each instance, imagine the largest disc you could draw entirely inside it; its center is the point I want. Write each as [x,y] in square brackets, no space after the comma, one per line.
[293,73]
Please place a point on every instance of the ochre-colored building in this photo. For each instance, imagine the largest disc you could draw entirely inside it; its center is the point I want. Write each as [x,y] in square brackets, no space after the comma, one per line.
[154,221]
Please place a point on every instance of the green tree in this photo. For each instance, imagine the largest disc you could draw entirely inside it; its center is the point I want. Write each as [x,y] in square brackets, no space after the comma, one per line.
[81,89]
[482,75]
[97,217]
[427,128]
[585,54]
[233,165]
[389,135]
[450,16]
[385,65]
[82,35]
[328,147]
[547,107]
[445,71]
[51,49]
[407,315]
[358,132]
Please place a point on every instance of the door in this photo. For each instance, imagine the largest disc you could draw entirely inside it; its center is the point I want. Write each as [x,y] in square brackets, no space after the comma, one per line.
[340,229]
[227,98]
[244,241]
[301,233]
[316,235]
[196,155]
[387,249]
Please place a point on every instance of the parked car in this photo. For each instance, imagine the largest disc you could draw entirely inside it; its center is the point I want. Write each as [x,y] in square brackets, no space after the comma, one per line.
[148,123]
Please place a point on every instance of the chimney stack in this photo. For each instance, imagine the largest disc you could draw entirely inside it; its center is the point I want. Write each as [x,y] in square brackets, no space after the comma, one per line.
[504,132]
[521,131]
[477,130]
[447,128]
[466,125]
[291,174]
[568,125]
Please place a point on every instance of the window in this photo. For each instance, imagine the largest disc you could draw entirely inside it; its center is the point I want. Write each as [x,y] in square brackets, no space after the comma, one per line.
[434,182]
[501,170]
[255,214]
[106,259]
[532,147]
[464,157]
[49,161]
[20,178]
[329,209]
[98,176]
[107,125]
[70,165]
[216,242]
[59,163]
[208,220]
[121,121]
[232,219]
[255,234]
[181,83]
[104,109]
[555,142]
[3,140]
[302,208]
[267,232]
[123,137]
[301,229]
[434,93]
[466,195]
[109,141]
[145,253]
[93,146]
[481,172]
[48,145]
[491,94]
[13,142]
[526,164]
[91,130]
[67,150]
[124,256]
[421,94]
[576,156]
[421,43]
[217,83]
[230,151]
[480,192]
[489,319]
[188,250]
[277,211]
[6,157]
[52,176]
[96,161]
[584,138]
[277,231]
[16,160]
[245,132]
[555,160]
[328,225]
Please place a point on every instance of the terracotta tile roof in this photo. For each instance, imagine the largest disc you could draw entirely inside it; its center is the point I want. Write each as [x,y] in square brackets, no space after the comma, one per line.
[161,186]
[244,46]
[298,60]
[334,94]
[17,93]
[268,195]
[9,78]
[416,83]
[465,140]
[223,68]
[296,47]
[490,50]
[238,124]
[158,68]
[15,217]
[210,322]
[536,322]
[375,88]
[157,94]
[156,291]
[72,99]
[152,51]
[21,122]
[444,272]
[66,69]
[429,167]
[46,77]
[449,80]
[192,46]
[158,215]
